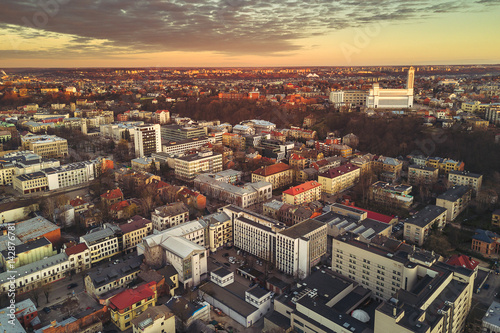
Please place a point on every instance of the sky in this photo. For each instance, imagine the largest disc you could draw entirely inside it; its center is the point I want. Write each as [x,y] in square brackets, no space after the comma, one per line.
[229,33]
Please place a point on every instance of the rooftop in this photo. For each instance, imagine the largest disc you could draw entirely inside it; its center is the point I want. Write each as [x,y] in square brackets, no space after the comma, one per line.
[302,228]
[302,188]
[339,171]
[465,173]
[128,297]
[272,169]
[34,228]
[426,215]
[454,193]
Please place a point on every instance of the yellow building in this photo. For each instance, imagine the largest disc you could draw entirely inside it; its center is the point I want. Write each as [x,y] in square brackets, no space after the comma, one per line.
[307,192]
[220,230]
[279,175]
[154,320]
[495,218]
[455,200]
[134,231]
[27,253]
[45,145]
[444,165]
[130,303]
[473,180]
[30,183]
[418,174]
[6,173]
[339,179]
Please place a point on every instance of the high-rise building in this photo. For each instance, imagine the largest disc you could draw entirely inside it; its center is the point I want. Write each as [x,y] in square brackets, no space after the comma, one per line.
[147,140]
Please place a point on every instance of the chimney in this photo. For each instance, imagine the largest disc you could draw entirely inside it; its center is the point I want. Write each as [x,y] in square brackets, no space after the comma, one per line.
[394,311]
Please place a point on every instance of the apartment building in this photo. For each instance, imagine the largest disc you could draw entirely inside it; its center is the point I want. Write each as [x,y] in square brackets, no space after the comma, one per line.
[117,131]
[45,145]
[234,140]
[6,173]
[154,319]
[388,168]
[102,282]
[338,179]
[30,183]
[493,113]
[252,232]
[454,200]
[67,175]
[243,196]
[180,133]
[147,140]
[181,146]
[161,116]
[304,193]
[103,243]
[36,274]
[300,247]
[219,230]
[279,175]
[300,133]
[188,167]
[466,178]
[78,257]
[130,303]
[134,231]
[260,125]
[391,195]
[417,227]
[444,165]
[364,162]
[350,98]
[421,174]
[170,215]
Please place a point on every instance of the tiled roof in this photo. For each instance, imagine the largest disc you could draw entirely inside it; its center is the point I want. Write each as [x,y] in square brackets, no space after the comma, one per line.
[113,194]
[272,169]
[338,171]
[76,249]
[302,188]
[130,296]
[463,261]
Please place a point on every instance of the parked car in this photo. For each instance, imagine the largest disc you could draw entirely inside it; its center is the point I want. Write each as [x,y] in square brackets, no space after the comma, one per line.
[72,285]
[46,309]
[225,255]
[227,264]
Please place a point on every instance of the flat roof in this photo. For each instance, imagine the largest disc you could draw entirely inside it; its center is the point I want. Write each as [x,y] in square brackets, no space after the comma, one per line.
[302,228]
[34,228]
[425,215]
[454,193]
[229,299]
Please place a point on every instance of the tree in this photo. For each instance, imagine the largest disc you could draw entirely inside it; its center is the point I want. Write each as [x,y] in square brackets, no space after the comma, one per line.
[47,289]
[35,295]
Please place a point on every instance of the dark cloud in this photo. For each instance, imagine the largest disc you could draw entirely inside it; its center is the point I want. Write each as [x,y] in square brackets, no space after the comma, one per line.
[225,26]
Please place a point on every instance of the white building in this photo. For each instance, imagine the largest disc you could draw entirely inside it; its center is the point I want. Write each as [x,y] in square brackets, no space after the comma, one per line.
[103,243]
[392,98]
[170,215]
[147,140]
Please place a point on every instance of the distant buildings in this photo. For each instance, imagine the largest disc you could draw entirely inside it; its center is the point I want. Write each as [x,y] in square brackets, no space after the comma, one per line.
[179,133]
[493,113]
[392,98]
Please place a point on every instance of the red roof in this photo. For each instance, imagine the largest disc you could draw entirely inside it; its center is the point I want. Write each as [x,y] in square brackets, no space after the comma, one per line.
[463,261]
[117,206]
[272,169]
[129,297]
[376,216]
[76,249]
[302,188]
[338,171]
[77,202]
[297,157]
[113,194]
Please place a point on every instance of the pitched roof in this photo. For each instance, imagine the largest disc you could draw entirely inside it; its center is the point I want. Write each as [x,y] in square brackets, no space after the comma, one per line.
[113,194]
[463,261]
[272,169]
[302,188]
[130,296]
[338,171]
[138,222]
[77,202]
[117,206]
[76,249]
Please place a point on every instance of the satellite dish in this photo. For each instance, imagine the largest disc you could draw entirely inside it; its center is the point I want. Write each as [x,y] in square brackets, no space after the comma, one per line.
[360,315]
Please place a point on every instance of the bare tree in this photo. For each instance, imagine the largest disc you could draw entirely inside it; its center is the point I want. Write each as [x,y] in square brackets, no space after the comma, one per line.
[34,295]
[47,289]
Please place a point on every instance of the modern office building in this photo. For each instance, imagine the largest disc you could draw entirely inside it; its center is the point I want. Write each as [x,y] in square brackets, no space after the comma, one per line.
[181,146]
[179,133]
[188,167]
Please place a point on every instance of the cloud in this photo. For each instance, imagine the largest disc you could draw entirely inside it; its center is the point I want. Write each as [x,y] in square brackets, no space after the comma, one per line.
[231,27]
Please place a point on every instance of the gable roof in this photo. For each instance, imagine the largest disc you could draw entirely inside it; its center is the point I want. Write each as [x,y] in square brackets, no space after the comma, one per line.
[113,194]
[272,169]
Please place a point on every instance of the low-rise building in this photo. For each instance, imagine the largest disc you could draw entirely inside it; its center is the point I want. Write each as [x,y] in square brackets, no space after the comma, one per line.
[473,180]
[103,243]
[145,163]
[491,319]
[421,174]
[445,165]
[455,200]
[31,183]
[45,145]
[130,303]
[112,196]
[391,195]
[279,175]
[417,227]
[338,179]
[181,146]
[219,230]
[389,168]
[15,256]
[155,319]
[304,193]
[78,257]
[134,231]
[170,215]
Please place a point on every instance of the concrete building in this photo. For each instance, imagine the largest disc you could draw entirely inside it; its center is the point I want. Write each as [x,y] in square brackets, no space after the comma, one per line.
[30,183]
[161,116]
[473,180]
[36,228]
[279,175]
[46,146]
[117,131]
[417,227]
[188,167]
[154,319]
[391,195]
[392,98]
[304,193]
[491,319]
[219,230]
[68,175]
[180,133]
[25,253]
[454,200]
[388,168]
[145,164]
[493,113]
[181,146]
[170,215]
[421,174]
[260,125]
[445,165]
[134,231]
[78,257]
[147,140]
[300,247]
[338,179]
[103,243]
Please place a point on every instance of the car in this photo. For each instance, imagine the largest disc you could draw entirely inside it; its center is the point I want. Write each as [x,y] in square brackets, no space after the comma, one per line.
[72,285]
[486,286]
[225,255]
[46,309]
[251,284]
[227,264]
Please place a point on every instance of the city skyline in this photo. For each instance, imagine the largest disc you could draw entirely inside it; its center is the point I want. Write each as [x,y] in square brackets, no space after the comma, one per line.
[63,33]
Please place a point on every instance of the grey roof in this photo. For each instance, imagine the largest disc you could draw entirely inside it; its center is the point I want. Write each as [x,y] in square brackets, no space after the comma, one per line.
[34,228]
[258,292]
[96,236]
[221,272]
[492,316]
[465,173]
[24,247]
[35,266]
[112,273]
[426,215]
[454,193]
[229,299]
[302,228]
